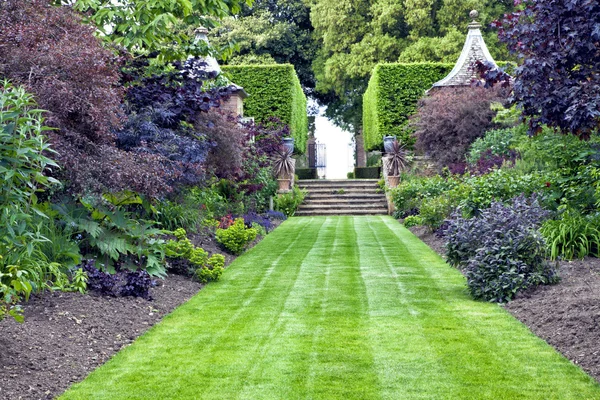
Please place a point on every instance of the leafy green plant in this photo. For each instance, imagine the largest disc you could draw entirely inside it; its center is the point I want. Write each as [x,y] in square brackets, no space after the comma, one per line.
[212,269]
[572,235]
[288,203]
[236,237]
[499,141]
[173,214]
[24,268]
[413,220]
[203,267]
[112,234]
[435,210]
[411,192]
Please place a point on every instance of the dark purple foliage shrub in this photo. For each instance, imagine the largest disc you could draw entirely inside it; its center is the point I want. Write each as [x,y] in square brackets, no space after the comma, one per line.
[451,119]
[181,93]
[558,83]
[55,56]
[137,284]
[489,161]
[121,283]
[98,281]
[501,250]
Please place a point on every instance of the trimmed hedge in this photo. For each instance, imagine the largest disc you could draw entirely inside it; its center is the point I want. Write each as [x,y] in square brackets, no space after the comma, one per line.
[274,91]
[392,96]
[307,173]
[367,172]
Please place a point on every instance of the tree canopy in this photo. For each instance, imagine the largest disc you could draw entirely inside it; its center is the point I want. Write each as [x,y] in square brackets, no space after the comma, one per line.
[558,82]
[155,27]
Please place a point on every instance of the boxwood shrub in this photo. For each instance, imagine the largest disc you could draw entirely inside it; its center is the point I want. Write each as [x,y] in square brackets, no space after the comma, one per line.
[275,92]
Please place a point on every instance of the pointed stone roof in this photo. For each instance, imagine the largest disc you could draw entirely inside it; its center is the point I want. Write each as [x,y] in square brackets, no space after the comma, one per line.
[474,50]
[212,65]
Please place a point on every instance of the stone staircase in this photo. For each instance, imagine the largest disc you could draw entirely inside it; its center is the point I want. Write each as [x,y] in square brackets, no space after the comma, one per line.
[342,197]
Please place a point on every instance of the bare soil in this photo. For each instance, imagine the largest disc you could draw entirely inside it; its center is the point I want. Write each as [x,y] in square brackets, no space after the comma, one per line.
[65,336]
[566,315]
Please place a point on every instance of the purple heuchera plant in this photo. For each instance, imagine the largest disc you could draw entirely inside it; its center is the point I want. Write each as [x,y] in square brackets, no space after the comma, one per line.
[501,251]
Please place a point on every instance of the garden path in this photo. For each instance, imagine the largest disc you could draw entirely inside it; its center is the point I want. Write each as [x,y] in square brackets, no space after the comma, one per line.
[338,308]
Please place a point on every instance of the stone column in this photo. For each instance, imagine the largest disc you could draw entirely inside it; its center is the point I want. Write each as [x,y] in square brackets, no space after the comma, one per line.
[361,155]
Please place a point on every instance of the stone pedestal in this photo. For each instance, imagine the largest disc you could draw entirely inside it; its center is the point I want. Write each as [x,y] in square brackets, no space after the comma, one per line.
[361,155]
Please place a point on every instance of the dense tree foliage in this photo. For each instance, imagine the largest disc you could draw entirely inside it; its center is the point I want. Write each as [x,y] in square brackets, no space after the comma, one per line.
[271,31]
[356,35]
[155,26]
[559,42]
[49,51]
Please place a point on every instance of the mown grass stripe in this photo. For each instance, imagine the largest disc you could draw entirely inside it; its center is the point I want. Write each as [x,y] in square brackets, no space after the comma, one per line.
[338,308]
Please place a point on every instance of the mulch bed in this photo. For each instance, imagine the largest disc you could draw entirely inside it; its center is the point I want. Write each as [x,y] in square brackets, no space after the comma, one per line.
[65,336]
[566,315]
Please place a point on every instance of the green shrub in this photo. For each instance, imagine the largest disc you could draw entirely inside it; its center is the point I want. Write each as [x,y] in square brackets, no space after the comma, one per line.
[499,141]
[195,259]
[24,268]
[572,235]
[478,192]
[392,96]
[411,192]
[275,92]
[212,269]
[367,172]
[413,220]
[289,202]
[173,214]
[435,210]
[236,237]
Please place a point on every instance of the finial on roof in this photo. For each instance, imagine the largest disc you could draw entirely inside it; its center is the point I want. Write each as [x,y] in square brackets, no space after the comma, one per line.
[474,50]
[474,14]
[201,30]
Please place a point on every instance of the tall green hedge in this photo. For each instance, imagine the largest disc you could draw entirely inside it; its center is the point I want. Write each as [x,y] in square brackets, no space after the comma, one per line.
[274,91]
[392,96]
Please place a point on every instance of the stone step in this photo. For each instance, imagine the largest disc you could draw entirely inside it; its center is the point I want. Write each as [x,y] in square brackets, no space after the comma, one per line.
[339,206]
[345,196]
[342,191]
[378,200]
[309,213]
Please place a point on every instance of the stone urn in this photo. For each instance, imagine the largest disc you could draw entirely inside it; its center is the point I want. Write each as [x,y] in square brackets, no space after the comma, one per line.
[393,180]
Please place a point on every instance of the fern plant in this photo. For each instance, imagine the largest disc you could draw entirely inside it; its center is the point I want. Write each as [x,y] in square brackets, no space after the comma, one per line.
[112,234]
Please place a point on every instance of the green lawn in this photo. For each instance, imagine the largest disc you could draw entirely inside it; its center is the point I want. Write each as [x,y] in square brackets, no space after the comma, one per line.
[338,308]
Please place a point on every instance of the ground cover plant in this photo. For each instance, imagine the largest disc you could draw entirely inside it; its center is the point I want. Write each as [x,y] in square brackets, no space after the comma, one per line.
[290,318]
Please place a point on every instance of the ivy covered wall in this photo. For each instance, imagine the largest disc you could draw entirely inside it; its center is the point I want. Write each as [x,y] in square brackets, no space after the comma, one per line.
[274,91]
